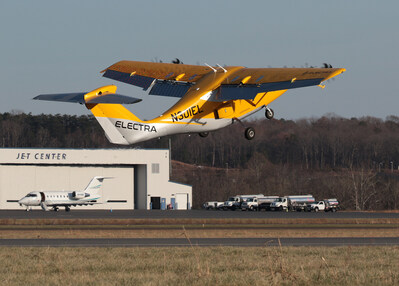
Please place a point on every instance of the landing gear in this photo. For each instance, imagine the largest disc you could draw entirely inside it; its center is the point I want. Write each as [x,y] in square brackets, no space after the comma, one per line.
[203,134]
[67,209]
[250,133]
[269,113]
[55,209]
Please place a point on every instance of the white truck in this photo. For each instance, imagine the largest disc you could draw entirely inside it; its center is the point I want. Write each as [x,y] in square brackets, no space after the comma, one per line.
[212,205]
[292,203]
[329,205]
[235,202]
[258,203]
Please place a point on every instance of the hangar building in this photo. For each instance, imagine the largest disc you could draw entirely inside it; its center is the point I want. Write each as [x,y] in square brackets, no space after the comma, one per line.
[138,179]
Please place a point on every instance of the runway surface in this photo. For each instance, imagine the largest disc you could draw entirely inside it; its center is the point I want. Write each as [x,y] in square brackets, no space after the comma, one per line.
[198,214]
[202,242]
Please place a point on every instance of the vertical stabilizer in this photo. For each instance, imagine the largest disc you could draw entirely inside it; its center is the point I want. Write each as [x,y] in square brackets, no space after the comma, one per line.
[94,186]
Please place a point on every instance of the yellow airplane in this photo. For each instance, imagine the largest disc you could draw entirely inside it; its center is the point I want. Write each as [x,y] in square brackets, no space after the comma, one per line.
[211,97]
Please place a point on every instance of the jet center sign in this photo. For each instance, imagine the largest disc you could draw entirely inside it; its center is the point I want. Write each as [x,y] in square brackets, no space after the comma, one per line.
[40,156]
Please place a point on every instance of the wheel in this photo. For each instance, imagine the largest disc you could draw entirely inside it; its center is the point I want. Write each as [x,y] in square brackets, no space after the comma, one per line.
[316,210]
[251,208]
[280,208]
[67,209]
[203,134]
[269,113]
[249,133]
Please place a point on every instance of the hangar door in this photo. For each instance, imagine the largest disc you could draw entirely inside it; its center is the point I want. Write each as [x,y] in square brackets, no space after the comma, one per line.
[16,181]
[181,201]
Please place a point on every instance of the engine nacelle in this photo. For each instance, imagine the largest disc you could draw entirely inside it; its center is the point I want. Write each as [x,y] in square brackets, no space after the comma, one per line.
[79,195]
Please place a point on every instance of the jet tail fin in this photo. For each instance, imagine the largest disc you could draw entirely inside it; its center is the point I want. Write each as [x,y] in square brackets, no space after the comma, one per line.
[95,185]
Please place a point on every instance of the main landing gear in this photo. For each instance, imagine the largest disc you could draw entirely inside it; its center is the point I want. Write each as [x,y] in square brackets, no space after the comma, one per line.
[250,131]
[269,113]
[203,134]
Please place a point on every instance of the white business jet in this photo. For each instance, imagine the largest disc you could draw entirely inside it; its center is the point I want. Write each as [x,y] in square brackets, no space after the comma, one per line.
[55,199]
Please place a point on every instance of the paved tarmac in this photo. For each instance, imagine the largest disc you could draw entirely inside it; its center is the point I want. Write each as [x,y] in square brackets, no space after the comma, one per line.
[181,242]
[199,214]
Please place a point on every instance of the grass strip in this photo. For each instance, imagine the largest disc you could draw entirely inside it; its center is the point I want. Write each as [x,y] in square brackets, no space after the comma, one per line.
[201,266]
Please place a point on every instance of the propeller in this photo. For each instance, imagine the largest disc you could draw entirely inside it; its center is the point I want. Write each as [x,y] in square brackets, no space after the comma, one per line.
[327,66]
[177,61]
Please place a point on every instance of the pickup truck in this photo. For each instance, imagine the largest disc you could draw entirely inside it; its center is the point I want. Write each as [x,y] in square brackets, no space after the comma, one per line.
[331,205]
[212,205]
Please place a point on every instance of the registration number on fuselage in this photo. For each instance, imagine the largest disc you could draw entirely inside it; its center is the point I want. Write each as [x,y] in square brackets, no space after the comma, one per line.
[189,112]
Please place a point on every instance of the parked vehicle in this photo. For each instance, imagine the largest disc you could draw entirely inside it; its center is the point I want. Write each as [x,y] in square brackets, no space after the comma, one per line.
[331,205]
[235,202]
[212,205]
[258,203]
[292,203]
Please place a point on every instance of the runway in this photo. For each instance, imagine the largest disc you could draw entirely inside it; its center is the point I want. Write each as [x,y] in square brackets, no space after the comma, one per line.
[191,214]
[201,242]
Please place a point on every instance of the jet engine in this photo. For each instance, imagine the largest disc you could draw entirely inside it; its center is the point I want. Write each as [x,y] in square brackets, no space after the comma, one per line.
[79,195]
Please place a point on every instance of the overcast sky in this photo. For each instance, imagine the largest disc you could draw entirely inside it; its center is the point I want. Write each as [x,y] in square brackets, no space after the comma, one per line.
[61,46]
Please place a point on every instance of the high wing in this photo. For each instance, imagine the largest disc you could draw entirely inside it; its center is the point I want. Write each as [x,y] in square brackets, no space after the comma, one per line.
[239,82]
[248,82]
[163,78]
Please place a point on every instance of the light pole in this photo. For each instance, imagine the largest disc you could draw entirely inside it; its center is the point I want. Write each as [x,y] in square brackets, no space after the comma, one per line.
[170,157]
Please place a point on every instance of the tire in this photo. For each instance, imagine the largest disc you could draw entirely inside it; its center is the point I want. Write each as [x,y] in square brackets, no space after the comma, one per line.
[250,133]
[280,208]
[269,113]
[203,134]
[316,210]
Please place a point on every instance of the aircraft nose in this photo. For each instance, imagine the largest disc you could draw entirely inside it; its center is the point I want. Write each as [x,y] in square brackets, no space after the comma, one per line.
[22,201]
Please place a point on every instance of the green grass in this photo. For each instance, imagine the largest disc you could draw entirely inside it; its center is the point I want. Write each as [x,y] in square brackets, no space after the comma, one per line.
[200,266]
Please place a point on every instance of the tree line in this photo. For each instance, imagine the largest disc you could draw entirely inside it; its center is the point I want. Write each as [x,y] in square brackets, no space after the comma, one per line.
[355,160]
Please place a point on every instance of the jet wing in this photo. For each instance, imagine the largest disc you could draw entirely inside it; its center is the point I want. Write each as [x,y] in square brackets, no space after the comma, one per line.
[248,82]
[163,78]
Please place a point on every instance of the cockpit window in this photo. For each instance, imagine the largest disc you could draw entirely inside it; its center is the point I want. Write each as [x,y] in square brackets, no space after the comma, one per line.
[31,195]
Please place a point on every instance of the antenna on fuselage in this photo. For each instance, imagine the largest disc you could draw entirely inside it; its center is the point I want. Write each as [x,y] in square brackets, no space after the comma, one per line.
[222,67]
[214,70]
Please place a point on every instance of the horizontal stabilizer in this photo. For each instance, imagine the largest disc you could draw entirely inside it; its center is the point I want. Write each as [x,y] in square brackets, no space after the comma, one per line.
[65,97]
[104,94]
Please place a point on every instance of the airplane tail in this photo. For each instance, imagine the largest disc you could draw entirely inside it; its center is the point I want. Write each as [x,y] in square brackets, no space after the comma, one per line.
[120,125]
[105,104]
[113,118]
[94,186]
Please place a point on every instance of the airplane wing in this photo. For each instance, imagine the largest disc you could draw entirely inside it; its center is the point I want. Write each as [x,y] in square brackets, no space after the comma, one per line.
[248,82]
[175,79]
[163,78]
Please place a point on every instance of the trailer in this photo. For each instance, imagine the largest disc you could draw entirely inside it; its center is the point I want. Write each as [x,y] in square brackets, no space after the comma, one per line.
[292,203]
